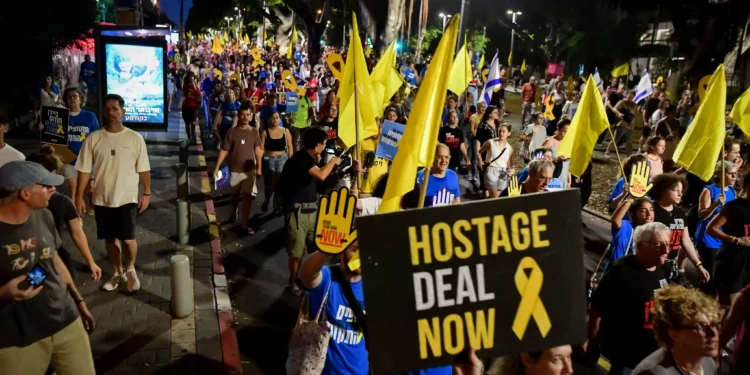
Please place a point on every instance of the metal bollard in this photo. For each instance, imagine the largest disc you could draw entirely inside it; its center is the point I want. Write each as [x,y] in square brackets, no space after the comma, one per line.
[183,222]
[184,151]
[182,286]
[183,190]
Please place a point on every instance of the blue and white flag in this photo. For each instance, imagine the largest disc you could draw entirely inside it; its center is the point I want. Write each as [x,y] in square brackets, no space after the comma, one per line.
[494,81]
[598,79]
[644,88]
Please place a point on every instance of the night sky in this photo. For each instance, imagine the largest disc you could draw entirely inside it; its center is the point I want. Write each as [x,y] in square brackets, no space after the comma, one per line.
[172,9]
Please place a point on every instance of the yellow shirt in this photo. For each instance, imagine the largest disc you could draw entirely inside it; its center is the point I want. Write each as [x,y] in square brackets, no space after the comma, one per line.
[378,169]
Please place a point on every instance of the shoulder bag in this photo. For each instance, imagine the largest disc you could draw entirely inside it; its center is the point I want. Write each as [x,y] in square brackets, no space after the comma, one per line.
[308,347]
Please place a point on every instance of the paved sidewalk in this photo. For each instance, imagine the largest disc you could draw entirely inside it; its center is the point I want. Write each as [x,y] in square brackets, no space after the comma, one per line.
[135,333]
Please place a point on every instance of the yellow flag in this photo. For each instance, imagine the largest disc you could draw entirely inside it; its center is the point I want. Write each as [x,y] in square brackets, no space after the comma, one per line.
[741,112]
[226,37]
[385,79]
[217,48]
[247,40]
[523,66]
[481,63]
[189,35]
[200,37]
[460,72]
[292,43]
[700,148]
[622,70]
[417,146]
[589,121]
[356,77]
[510,58]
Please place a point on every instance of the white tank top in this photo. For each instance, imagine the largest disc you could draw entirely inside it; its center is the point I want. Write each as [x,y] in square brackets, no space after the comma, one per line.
[495,150]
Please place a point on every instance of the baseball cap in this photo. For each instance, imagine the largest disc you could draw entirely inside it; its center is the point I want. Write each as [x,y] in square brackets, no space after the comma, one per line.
[17,175]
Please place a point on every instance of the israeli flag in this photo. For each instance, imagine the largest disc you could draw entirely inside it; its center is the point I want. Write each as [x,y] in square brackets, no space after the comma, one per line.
[597,78]
[494,81]
[644,88]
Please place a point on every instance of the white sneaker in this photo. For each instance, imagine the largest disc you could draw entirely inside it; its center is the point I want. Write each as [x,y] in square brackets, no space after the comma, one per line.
[133,282]
[114,282]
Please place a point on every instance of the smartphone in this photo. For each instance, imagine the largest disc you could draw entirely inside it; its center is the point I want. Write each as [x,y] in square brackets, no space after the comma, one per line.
[37,275]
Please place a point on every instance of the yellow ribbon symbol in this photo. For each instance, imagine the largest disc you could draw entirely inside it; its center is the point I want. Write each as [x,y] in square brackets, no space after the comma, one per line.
[531,305]
[83,136]
[256,58]
[333,59]
[60,129]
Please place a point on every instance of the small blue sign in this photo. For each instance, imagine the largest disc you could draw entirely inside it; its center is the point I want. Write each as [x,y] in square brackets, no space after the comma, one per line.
[390,136]
[291,102]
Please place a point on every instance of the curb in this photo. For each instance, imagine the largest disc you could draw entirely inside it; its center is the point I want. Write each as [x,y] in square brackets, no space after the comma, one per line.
[229,346]
[596,214]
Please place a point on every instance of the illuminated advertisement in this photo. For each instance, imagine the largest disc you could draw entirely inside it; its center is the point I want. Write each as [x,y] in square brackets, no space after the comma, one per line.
[137,73]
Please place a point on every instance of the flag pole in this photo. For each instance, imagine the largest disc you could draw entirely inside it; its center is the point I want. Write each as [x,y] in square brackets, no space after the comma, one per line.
[358,151]
[423,190]
[617,152]
[723,182]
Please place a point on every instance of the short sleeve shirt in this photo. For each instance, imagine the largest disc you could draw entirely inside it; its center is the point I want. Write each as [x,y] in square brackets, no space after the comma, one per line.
[23,246]
[295,184]
[241,144]
[441,191]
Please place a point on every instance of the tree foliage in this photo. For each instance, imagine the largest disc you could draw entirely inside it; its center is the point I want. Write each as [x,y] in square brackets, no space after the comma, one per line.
[477,41]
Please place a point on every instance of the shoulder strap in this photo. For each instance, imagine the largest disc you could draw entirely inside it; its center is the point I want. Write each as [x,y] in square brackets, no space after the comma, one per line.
[499,156]
[322,307]
[352,301]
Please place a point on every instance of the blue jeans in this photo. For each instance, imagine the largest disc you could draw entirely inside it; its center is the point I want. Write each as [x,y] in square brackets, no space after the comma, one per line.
[272,166]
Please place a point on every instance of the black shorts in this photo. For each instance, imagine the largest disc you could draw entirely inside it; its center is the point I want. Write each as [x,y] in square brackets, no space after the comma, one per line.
[188,114]
[731,270]
[116,222]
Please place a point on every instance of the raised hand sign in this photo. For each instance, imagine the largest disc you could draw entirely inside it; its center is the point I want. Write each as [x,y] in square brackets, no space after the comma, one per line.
[639,184]
[514,188]
[333,228]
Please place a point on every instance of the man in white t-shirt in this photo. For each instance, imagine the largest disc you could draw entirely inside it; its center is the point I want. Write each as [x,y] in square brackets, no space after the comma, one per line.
[120,158]
[7,152]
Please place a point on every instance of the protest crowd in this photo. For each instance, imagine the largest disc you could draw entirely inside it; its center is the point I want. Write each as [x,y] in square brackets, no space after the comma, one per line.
[293,125]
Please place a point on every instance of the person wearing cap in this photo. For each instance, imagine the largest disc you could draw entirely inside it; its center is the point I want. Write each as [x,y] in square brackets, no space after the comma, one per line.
[120,157]
[43,325]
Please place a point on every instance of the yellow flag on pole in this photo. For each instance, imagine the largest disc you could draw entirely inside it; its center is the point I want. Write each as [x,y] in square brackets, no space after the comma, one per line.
[246,40]
[700,148]
[622,70]
[460,72]
[741,112]
[417,145]
[359,103]
[226,37]
[189,35]
[292,43]
[481,63]
[523,66]
[217,48]
[385,79]
[510,58]
[589,121]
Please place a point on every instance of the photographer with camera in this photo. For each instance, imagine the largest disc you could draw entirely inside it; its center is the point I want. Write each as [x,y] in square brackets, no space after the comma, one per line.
[299,197]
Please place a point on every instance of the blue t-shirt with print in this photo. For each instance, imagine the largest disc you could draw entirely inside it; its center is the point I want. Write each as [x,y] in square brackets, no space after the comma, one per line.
[79,128]
[347,353]
[620,240]
[554,184]
[228,111]
[411,76]
[441,191]
[444,370]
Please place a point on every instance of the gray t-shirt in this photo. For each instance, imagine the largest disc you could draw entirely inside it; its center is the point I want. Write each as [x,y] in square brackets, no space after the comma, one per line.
[23,246]
[661,362]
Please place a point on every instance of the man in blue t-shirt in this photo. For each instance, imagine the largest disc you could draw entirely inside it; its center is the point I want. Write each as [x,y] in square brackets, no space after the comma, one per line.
[88,73]
[269,108]
[81,124]
[442,187]
[410,75]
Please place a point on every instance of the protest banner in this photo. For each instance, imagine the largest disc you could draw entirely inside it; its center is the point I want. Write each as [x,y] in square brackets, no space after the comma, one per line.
[503,276]
[55,121]
[291,102]
[389,138]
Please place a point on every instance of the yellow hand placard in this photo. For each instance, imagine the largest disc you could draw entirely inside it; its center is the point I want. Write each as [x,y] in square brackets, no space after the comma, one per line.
[484,74]
[333,227]
[332,59]
[257,61]
[639,184]
[548,108]
[531,305]
[514,187]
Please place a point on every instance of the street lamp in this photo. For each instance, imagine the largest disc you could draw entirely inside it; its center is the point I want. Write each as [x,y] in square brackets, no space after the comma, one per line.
[319,15]
[445,18]
[512,35]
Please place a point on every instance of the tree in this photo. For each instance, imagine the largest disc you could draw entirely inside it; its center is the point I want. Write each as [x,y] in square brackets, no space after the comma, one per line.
[477,41]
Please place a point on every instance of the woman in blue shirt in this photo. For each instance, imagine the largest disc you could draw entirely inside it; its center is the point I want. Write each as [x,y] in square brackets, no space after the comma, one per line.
[226,116]
[640,211]
[618,191]
[712,199]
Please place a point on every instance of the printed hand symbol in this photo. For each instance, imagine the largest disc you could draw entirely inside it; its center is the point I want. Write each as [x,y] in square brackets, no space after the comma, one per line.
[514,188]
[443,198]
[333,228]
[639,184]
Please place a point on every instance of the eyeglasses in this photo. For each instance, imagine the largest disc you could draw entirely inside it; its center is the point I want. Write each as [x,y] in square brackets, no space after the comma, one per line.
[705,328]
[658,245]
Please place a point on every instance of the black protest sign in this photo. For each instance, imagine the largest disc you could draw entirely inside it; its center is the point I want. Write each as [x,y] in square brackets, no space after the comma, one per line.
[55,125]
[503,276]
